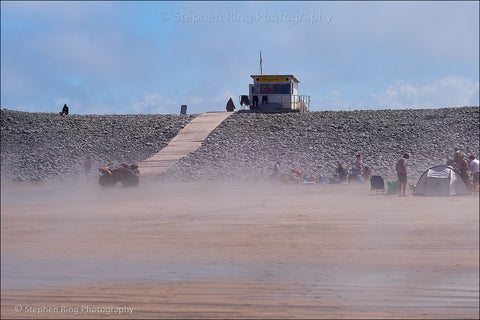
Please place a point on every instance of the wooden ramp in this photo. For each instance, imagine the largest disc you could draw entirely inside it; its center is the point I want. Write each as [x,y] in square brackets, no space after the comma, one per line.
[189,139]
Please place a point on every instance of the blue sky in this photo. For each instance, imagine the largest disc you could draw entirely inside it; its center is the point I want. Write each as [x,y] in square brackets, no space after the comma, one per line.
[151,57]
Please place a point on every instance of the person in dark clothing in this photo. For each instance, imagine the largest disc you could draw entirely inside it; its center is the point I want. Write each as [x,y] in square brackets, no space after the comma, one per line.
[230,105]
[64,110]
[342,172]
[245,101]
[255,103]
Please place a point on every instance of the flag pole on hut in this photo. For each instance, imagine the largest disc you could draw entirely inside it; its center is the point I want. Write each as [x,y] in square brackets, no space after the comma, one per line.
[261,70]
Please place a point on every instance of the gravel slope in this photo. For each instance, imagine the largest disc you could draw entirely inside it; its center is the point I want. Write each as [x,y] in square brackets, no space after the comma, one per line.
[246,146]
[45,146]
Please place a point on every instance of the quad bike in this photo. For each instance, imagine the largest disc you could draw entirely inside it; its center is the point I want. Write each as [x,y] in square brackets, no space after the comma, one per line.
[127,175]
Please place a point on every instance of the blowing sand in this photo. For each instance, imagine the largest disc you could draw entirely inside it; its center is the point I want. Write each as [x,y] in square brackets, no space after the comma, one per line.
[236,251]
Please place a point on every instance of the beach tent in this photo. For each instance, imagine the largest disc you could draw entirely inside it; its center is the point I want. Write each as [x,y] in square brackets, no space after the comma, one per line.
[440,181]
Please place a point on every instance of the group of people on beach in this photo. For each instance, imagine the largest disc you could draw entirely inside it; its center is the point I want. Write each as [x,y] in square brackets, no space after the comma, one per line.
[363,172]
[358,172]
[461,164]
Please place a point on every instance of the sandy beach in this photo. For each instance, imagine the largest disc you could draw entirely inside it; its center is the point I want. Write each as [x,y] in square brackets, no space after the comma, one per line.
[198,250]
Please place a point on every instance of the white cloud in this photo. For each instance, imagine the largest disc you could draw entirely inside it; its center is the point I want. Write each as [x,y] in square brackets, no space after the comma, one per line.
[61,101]
[333,101]
[16,83]
[196,100]
[155,103]
[447,92]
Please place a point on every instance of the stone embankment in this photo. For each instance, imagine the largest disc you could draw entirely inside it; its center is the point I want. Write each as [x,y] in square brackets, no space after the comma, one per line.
[245,147]
[47,146]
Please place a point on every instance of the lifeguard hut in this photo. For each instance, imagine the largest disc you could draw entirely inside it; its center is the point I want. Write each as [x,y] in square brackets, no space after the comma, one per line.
[275,93]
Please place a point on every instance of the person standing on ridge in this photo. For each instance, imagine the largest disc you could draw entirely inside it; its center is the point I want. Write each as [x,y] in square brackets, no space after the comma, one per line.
[230,105]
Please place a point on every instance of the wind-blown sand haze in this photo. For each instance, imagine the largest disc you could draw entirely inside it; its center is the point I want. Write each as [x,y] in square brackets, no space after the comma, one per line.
[198,250]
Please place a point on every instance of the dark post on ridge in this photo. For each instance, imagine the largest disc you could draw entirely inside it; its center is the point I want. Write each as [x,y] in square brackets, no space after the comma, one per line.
[183,109]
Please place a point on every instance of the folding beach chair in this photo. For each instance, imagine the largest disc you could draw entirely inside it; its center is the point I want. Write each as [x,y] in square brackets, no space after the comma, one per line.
[377,183]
